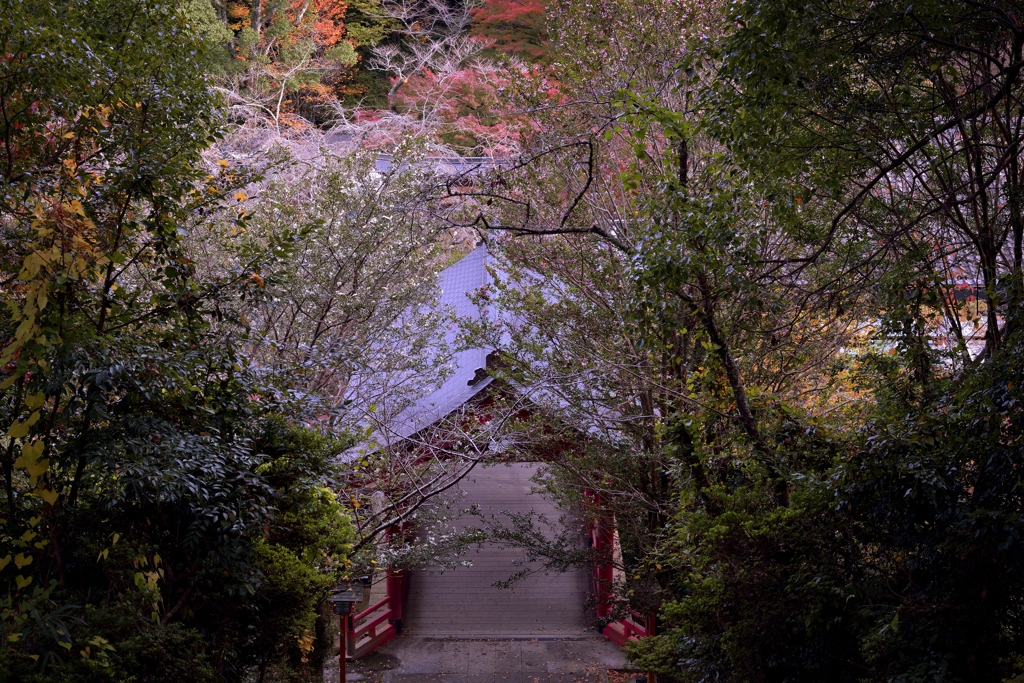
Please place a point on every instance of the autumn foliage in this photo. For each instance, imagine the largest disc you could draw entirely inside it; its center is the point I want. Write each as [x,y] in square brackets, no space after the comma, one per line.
[513,26]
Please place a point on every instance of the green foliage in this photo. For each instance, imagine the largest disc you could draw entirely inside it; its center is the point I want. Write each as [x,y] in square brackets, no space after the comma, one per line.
[794,344]
[516,28]
[898,561]
[166,653]
[143,651]
[288,63]
[366,24]
[138,495]
[891,554]
[214,35]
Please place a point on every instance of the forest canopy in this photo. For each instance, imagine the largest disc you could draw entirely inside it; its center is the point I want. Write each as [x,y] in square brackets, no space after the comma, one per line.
[761,264]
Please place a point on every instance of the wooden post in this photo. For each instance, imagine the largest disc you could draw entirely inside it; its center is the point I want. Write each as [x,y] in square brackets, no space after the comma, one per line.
[606,570]
[350,633]
[603,535]
[343,643]
[396,579]
[651,620]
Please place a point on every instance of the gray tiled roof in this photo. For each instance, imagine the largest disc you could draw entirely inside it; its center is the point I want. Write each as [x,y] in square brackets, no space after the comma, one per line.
[448,165]
[457,284]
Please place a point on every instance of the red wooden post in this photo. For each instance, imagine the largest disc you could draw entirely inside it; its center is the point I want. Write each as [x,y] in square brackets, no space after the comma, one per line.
[396,578]
[343,629]
[394,587]
[603,533]
[350,634]
[605,575]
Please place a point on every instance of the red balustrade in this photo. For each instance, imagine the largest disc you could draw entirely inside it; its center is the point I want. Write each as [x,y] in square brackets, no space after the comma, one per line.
[621,631]
[369,629]
[378,623]
[601,535]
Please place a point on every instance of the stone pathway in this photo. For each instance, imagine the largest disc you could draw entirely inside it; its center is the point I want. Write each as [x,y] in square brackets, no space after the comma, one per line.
[464,602]
[459,628]
[426,660]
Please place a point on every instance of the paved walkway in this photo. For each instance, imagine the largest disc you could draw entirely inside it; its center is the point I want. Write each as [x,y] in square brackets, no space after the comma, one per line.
[459,628]
[421,660]
[464,602]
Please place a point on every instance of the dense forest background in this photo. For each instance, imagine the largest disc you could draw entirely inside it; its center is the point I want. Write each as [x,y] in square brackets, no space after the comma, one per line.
[763,264]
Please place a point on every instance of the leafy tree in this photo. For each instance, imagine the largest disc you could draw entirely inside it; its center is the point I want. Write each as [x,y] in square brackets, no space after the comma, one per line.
[335,317]
[759,345]
[290,62]
[913,116]
[139,510]
[513,26]
[879,567]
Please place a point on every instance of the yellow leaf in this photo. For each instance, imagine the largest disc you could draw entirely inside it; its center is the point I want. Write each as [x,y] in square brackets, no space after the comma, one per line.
[38,469]
[32,521]
[4,561]
[222,163]
[35,400]
[13,637]
[30,266]
[47,495]
[29,454]
[68,135]
[22,581]
[116,537]
[241,196]
[64,644]
[22,560]
[28,535]
[18,430]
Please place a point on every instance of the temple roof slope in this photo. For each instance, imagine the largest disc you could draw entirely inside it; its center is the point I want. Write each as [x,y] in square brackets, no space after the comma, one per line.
[458,283]
[465,376]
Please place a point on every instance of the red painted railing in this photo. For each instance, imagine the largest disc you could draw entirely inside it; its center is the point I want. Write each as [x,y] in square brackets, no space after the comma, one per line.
[621,631]
[601,535]
[378,623]
[367,632]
